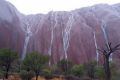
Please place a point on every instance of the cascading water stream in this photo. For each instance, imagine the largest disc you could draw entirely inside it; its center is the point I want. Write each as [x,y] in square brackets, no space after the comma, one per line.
[66,35]
[103,27]
[54,25]
[28,33]
[94,36]
[96,46]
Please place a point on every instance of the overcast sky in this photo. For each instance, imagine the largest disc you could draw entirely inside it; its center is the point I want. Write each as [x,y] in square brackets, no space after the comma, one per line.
[44,6]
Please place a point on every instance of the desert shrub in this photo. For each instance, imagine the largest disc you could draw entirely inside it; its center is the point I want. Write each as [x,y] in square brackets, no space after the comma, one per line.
[1,74]
[115,72]
[113,68]
[26,75]
[55,70]
[65,66]
[116,76]
[46,72]
[90,69]
[77,70]
[23,74]
[15,67]
[99,72]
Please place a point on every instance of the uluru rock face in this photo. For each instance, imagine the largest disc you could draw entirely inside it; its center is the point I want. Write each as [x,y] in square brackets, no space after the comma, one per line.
[10,34]
[74,35]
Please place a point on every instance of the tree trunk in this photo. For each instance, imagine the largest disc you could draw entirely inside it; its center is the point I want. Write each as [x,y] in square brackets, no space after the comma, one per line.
[107,69]
[36,73]
[6,74]
[27,75]
[36,76]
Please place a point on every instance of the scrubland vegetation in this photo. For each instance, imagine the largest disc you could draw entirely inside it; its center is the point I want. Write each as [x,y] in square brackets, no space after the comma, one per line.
[35,66]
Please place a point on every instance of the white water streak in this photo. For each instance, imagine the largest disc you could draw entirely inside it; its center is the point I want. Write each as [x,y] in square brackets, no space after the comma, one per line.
[54,25]
[96,46]
[66,35]
[103,27]
[105,35]
[28,33]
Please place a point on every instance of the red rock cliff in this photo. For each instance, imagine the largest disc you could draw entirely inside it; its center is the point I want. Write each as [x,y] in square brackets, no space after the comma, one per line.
[74,35]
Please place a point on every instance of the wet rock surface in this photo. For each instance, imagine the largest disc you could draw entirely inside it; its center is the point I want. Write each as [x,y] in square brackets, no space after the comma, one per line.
[74,35]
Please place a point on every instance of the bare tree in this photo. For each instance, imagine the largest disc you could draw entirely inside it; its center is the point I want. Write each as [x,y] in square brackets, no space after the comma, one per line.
[106,52]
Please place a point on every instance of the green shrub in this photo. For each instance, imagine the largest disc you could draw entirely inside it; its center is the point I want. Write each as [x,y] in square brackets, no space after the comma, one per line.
[65,66]
[1,74]
[78,70]
[15,67]
[25,75]
[55,70]
[46,72]
[113,68]
[99,72]
[115,72]
[90,69]
[116,76]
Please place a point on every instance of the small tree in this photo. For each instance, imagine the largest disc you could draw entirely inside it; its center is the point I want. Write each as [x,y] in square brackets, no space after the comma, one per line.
[106,52]
[7,57]
[35,62]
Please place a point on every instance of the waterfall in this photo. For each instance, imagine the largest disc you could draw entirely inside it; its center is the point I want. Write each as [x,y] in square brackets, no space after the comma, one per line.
[103,27]
[28,33]
[66,35]
[96,46]
[52,33]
